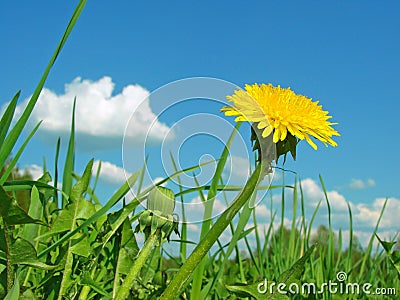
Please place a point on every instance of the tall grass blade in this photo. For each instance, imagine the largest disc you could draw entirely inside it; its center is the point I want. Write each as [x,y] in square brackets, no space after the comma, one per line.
[69,161]
[367,255]
[331,244]
[208,207]
[350,249]
[15,159]
[12,137]
[7,117]
[117,196]
[183,246]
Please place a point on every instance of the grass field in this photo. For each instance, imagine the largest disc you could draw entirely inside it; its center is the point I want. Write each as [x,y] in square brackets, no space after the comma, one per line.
[70,243]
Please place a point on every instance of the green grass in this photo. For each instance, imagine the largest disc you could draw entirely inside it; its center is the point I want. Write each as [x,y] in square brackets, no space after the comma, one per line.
[70,243]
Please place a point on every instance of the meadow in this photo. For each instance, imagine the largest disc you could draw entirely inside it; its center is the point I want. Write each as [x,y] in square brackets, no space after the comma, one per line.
[67,242]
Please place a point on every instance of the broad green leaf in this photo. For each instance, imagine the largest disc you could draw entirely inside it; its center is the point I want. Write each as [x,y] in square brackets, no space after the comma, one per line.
[13,294]
[118,218]
[80,245]
[12,213]
[30,231]
[119,194]
[5,202]
[128,248]
[67,219]
[82,185]
[78,209]
[23,253]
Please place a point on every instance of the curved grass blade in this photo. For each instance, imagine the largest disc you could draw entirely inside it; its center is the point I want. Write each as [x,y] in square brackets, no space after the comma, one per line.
[55,196]
[208,207]
[6,119]
[12,137]
[118,195]
[185,272]
[69,160]
[17,156]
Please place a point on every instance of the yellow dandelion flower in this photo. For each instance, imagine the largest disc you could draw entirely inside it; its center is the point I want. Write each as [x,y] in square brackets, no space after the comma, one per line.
[279,110]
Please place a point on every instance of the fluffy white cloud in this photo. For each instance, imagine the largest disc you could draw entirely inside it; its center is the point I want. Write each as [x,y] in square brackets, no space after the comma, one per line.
[359,184]
[194,210]
[365,215]
[110,173]
[238,166]
[35,170]
[368,215]
[101,117]
[314,193]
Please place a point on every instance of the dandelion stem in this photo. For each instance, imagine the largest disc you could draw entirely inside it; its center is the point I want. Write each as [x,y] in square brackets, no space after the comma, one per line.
[175,287]
[10,274]
[137,266]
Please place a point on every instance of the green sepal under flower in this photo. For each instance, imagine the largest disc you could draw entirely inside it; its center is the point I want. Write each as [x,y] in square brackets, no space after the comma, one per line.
[159,214]
[264,150]
[161,199]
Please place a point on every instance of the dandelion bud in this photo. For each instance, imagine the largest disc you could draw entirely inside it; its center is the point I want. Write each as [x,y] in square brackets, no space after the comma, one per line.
[161,200]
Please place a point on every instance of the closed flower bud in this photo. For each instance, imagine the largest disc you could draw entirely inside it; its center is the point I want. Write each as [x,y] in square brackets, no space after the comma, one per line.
[161,200]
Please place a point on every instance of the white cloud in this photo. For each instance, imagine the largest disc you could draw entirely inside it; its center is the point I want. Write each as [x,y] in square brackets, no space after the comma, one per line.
[35,170]
[358,184]
[314,192]
[368,215]
[262,211]
[365,215]
[110,173]
[238,166]
[193,227]
[194,210]
[101,117]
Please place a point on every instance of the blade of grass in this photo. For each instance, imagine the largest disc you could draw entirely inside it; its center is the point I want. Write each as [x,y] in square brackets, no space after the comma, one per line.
[141,178]
[69,161]
[7,117]
[118,195]
[350,249]
[176,174]
[367,255]
[96,180]
[55,181]
[175,287]
[183,246]
[12,137]
[292,241]
[229,188]
[303,221]
[331,245]
[76,193]
[208,207]
[14,161]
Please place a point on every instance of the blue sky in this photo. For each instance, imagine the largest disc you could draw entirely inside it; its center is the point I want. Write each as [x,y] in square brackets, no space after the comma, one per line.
[344,54]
